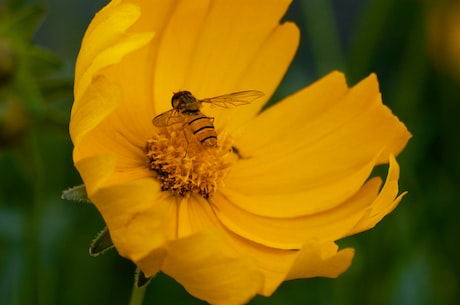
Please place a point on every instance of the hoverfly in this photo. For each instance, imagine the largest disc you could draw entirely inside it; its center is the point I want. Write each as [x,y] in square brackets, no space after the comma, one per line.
[186,110]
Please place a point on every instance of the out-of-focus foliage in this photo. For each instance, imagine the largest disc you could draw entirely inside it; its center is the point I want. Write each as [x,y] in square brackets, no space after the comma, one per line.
[411,257]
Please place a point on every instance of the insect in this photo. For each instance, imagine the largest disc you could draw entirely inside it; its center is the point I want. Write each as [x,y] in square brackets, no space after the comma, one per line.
[186,110]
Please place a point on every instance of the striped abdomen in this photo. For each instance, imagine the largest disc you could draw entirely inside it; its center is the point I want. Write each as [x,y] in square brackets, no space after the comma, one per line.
[203,128]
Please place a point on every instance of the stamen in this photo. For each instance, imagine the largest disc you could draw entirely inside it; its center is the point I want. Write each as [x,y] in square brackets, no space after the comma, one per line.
[182,164]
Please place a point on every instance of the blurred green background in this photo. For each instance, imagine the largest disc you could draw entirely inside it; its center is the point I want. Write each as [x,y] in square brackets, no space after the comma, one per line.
[411,257]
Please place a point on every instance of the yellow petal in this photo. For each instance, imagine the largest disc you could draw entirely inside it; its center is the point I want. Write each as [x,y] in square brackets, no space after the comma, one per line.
[95,170]
[360,212]
[387,200]
[282,195]
[321,143]
[108,57]
[291,232]
[101,124]
[200,264]
[194,215]
[135,214]
[115,135]
[109,25]
[98,101]
[278,50]
[314,259]
[273,263]
[320,259]
[106,41]
[211,54]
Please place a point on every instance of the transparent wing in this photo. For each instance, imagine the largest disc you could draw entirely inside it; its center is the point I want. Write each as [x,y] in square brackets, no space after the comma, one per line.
[168,118]
[234,99]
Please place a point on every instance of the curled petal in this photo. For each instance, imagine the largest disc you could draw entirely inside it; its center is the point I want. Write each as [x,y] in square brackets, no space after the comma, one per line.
[322,143]
[387,200]
[320,259]
[358,213]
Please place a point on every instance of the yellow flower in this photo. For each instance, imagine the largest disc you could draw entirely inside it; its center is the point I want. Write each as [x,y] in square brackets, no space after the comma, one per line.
[268,203]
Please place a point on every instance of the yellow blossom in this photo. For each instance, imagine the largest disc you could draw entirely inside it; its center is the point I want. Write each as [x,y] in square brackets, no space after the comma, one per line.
[268,202]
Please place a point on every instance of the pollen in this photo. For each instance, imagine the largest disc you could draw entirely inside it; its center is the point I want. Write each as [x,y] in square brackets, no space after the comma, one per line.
[184,165]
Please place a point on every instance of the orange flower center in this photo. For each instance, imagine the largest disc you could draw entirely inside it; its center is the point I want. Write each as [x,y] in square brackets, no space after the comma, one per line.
[182,163]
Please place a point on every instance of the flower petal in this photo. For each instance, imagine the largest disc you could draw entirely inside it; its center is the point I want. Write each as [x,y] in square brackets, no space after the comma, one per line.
[264,74]
[199,263]
[101,97]
[101,124]
[323,145]
[138,233]
[212,54]
[95,170]
[320,259]
[314,259]
[291,233]
[109,25]
[384,203]
[195,215]
[273,263]
[107,43]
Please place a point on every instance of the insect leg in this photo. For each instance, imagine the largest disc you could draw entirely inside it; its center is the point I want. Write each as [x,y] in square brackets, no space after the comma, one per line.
[186,139]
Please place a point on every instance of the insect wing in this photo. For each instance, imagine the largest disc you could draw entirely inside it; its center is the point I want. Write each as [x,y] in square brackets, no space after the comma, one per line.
[168,118]
[234,99]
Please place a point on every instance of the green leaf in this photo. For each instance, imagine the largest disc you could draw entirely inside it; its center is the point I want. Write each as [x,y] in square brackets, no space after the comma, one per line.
[101,243]
[76,193]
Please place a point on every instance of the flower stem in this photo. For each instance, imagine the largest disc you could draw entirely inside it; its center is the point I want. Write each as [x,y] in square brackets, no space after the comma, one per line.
[137,295]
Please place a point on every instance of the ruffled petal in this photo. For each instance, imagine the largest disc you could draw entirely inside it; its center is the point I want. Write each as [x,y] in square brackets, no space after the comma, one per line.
[205,270]
[320,259]
[360,212]
[291,232]
[318,147]
[384,204]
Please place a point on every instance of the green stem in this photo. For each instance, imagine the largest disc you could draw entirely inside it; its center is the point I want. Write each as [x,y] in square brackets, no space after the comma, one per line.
[137,295]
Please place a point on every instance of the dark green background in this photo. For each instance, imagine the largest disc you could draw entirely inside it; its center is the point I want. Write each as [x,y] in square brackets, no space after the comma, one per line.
[411,257]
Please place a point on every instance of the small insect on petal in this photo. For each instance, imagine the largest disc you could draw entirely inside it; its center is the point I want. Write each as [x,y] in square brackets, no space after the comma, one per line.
[186,110]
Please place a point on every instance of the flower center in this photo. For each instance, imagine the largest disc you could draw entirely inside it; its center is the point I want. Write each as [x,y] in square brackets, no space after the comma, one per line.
[183,164]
